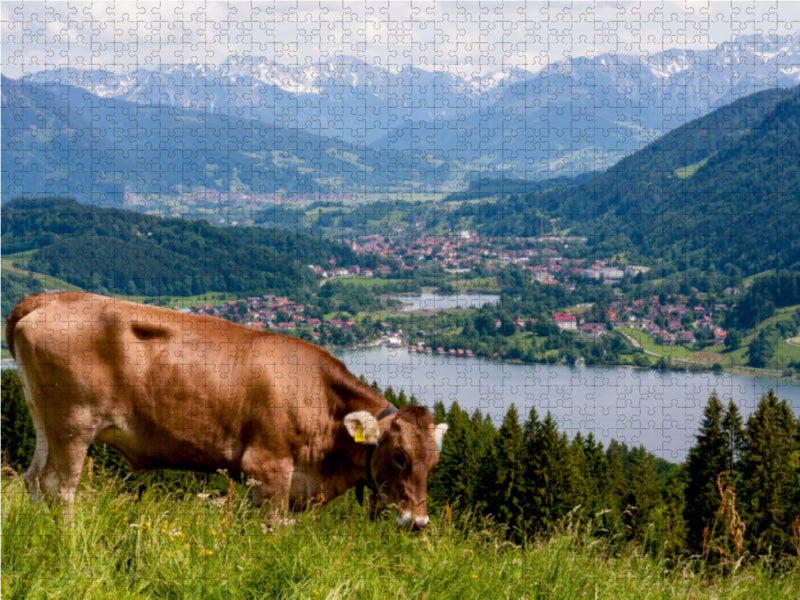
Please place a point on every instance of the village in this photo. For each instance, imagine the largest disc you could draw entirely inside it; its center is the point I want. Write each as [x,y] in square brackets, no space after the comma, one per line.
[548,259]
[671,320]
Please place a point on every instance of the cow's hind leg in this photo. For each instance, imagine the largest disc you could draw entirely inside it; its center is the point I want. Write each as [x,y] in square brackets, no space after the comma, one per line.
[34,477]
[61,472]
[57,462]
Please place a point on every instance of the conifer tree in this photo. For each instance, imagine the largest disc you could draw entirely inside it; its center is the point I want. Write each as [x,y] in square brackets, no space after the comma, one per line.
[710,456]
[454,478]
[616,488]
[595,480]
[534,498]
[674,539]
[644,494]
[402,399]
[18,436]
[732,425]
[584,483]
[502,475]
[770,475]
[548,472]
[439,412]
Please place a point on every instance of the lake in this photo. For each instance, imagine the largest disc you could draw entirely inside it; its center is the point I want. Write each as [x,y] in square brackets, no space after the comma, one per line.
[660,410]
[443,301]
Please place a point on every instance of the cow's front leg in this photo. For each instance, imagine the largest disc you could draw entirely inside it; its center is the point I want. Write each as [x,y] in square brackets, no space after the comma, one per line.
[269,486]
[270,482]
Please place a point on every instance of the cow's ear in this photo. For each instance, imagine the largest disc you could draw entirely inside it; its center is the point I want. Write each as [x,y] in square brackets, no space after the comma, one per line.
[438,434]
[362,427]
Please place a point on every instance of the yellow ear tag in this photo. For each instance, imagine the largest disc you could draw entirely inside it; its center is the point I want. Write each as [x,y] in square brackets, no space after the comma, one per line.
[359,435]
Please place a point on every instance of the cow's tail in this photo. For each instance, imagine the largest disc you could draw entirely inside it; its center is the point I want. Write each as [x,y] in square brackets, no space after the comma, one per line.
[25,306]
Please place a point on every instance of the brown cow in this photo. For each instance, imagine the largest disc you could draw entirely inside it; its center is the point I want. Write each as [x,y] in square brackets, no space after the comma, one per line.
[179,391]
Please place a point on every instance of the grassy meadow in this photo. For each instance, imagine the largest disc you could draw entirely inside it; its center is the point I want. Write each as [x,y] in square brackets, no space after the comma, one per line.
[206,540]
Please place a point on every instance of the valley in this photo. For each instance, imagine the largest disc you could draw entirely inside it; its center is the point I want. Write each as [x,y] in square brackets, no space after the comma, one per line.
[679,248]
[558,302]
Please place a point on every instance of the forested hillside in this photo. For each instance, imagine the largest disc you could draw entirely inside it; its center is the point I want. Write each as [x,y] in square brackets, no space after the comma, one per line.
[121,252]
[722,192]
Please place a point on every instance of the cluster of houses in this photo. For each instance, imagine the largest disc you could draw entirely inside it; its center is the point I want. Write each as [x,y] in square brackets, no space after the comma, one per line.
[568,321]
[677,323]
[441,351]
[273,313]
[673,322]
[670,322]
[349,271]
[261,312]
[463,251]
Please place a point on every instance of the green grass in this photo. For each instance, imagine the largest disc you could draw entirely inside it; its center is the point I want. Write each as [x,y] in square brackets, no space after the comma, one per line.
[18,264]
[171,543]
[373,283]
[689,170]
[486,285]
[649,344]
[19,260]
[213,298]
[784,352]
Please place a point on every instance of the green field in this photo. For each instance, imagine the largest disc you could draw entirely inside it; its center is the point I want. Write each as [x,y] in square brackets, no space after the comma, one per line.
[173,543]
[784,352]
[372,283]
[478,285]
[690,170]
[213,298]
[649,344]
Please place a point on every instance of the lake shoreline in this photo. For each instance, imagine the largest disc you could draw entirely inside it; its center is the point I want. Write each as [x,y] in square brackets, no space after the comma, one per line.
[661,410]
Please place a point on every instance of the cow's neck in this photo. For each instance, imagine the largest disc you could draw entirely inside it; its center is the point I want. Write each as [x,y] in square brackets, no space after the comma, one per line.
[348,464]
[368,482]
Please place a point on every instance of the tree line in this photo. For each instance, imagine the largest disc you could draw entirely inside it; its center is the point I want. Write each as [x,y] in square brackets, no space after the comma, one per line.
[530,476]
[737,493]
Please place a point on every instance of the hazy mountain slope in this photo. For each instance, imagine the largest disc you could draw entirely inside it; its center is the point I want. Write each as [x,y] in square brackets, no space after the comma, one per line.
[721,190]
[584,114]
[63,140]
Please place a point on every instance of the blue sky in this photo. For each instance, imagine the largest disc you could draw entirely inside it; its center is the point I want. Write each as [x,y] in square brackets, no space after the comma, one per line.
[466,38]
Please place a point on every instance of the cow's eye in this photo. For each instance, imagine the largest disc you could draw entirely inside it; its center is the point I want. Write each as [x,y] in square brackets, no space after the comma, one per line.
[400,460]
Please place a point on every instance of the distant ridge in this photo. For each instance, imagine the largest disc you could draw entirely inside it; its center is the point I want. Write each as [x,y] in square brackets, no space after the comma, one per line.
[63,140]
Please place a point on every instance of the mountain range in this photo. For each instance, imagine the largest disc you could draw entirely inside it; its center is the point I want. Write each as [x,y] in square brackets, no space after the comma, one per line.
[251,126]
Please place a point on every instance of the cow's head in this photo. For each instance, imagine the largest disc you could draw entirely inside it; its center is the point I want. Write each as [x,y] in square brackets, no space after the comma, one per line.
[403,449]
